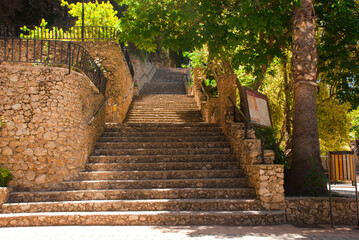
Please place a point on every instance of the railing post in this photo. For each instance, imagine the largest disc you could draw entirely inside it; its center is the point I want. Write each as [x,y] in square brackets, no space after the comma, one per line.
[69,56]
[262,151]
[83,20]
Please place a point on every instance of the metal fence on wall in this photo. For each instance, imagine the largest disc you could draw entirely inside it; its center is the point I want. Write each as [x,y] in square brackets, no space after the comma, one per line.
[52,53]
[77,33]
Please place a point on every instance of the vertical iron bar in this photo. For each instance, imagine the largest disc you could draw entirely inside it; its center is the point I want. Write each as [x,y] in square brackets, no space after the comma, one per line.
[20,49]
[245,130]
[69,56]
[83,20]
[330,191]
[61,50]
[356,186]
[5,49]
[262,152]
[12,49]
[48,50]
[234,114]
[27,50]
[73,55]
[55,51]
[34,51]
[78,53]
[42,45]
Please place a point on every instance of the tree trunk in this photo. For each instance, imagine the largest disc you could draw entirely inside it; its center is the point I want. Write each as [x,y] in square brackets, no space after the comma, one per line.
[306,176]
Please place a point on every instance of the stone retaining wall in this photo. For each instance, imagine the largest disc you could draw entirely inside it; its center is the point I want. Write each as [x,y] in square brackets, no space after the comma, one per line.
[47,138]
[119,79]
[307,210]
[144,71]
[267,179]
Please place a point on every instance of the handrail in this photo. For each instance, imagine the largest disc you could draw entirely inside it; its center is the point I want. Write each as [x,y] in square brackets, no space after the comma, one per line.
[60,32]
[134,82]
[203,90]
[127,58]
[53,52]
[246,127]
[145,74]
[94,116]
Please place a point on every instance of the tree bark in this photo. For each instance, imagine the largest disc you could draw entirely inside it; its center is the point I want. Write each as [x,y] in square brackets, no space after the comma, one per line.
[306,175]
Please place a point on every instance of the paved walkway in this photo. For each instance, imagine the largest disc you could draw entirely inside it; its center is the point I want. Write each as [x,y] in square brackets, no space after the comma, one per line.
[178,233]
[344,189]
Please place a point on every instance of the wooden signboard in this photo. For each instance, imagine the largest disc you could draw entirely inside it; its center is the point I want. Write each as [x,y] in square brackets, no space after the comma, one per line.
[256,107]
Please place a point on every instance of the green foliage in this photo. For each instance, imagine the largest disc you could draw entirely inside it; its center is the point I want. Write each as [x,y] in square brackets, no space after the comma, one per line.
[338,49]
[5,177]
[314,179]
[2,123]
[96,14]
[333,122]
[354,129]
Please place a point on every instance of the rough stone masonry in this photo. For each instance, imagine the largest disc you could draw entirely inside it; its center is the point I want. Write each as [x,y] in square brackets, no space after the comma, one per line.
[47,138]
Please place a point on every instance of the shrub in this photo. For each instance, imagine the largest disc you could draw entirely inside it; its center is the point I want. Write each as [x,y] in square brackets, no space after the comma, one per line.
[5,177]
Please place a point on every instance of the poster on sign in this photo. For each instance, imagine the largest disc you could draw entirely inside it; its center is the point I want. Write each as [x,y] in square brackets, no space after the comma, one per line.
[256,108]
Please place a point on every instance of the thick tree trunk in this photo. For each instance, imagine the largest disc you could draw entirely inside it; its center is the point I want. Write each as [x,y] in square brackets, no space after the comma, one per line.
[306,176]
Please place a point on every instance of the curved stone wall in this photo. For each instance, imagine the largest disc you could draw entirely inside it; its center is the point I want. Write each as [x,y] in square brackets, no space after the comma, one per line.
[47,138]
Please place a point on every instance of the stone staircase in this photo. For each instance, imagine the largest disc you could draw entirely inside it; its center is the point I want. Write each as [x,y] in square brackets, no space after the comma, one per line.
[163,166]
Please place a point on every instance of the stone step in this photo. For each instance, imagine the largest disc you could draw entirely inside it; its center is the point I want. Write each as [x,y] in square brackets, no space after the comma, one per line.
[162,158]
[179,129]
[155,183]
[161,134]
[161,166]
[164,111]
[162,145]
[127,194]
[156,151]
[170,115]
[163,88]
[161,120]
[164,174]
[136,205]
[155,218]
[187,139]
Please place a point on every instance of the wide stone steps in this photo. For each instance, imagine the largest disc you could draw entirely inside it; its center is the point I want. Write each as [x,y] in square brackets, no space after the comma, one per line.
[161,158]
[155,183]
[174,139]
[135,205]
[163,145]
[160,166]
[172,174]
[170,129]
[164,120]
[169,115]
[163,88]
[169,218]
[160,151]
[127,194]
[161,134]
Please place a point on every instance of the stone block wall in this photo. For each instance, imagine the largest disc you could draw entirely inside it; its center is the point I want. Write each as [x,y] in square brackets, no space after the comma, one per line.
[47,138]
[144,71]
[267,179]
[308,210]
[119,79]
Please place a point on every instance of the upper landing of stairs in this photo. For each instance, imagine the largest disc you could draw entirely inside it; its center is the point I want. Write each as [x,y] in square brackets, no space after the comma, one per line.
[166,81]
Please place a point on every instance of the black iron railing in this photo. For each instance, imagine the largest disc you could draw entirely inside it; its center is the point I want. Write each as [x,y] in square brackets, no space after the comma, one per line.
[127,58]
[52,53]
[60,32]
[246,123]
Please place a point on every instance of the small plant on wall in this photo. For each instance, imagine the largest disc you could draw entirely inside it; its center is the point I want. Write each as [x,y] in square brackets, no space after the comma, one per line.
[2,123]
[5,177]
